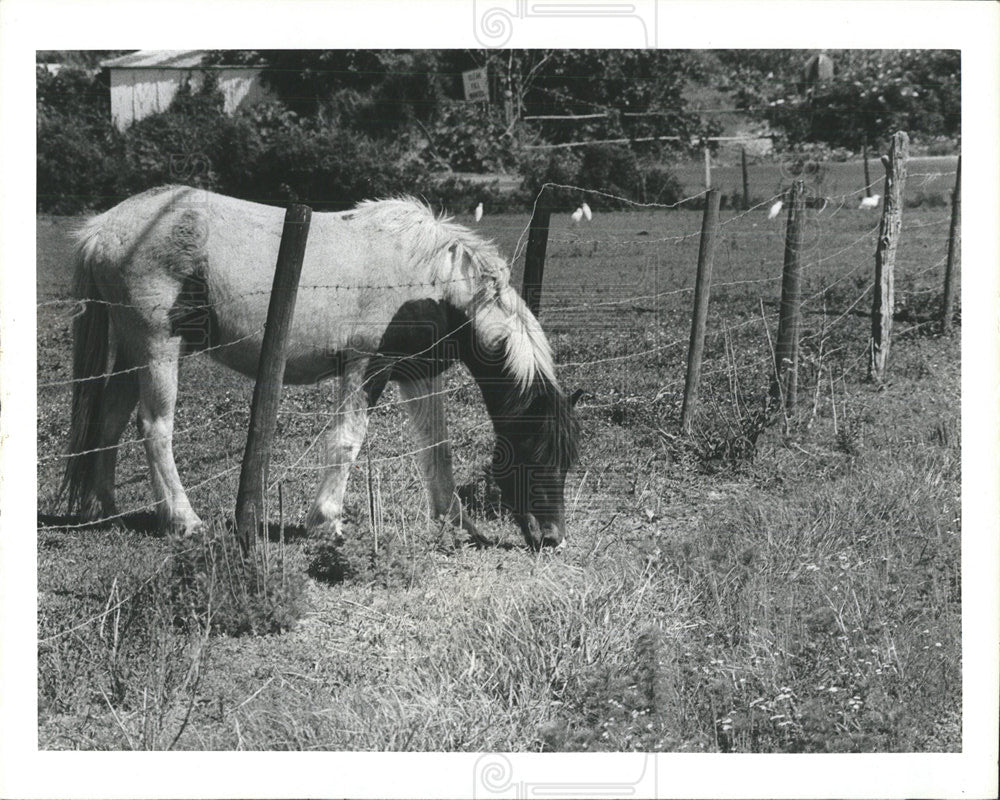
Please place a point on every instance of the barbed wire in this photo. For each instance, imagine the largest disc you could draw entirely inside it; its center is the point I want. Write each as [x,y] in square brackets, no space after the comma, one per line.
[756,207]
[852,245]
[166,359]
[598,192]
[622,301]
[393,457]
[940,262]
[623,242]
[82,302]
[911,225]
[924,324]
[843,315]
[341,410]
[183,432]
[144,507]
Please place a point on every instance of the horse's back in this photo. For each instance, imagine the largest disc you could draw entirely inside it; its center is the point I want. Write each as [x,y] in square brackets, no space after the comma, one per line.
[178,253]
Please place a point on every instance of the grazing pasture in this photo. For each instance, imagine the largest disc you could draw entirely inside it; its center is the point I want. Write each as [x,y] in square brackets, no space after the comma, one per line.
[935,176]
[788,588]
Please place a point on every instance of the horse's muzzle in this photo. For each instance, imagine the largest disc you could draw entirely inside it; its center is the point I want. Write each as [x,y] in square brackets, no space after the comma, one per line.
[541,535]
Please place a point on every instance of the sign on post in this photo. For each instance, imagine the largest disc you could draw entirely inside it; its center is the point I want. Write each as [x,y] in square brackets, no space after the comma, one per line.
[476,85]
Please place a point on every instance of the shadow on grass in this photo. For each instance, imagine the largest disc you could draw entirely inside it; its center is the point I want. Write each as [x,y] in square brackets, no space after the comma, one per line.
[145,522]
[138,522]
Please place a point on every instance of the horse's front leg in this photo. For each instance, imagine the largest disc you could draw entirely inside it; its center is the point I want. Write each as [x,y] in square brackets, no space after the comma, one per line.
[343,441]
[424,404]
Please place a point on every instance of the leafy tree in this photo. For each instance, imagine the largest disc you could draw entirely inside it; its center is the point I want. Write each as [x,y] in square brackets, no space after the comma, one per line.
[80,59]
[375,91]
[872,93]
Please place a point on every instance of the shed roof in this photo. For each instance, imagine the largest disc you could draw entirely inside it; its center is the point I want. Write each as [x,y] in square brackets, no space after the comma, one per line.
[157,59]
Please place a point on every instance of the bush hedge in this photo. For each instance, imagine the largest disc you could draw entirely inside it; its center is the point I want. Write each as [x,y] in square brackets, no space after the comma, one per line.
[610,169]
[270,154]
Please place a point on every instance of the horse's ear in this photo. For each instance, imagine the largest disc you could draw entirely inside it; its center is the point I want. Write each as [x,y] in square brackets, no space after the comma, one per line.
[575,397]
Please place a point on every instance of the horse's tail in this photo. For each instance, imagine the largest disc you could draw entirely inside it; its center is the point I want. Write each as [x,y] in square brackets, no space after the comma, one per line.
[91,356]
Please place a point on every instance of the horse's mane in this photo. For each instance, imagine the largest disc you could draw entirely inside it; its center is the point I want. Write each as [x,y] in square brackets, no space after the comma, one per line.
[428,234]
[474,277]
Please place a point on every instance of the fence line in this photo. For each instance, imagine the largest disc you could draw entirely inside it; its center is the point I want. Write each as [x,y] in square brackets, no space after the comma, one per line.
[71,381]
[393,457]
[143,440]
[341,410]
[912,225]
[136,509]
[598,192]
[82,302]
[296,465]
[842,315]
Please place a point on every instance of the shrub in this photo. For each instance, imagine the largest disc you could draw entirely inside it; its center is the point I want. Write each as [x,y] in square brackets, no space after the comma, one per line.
[464,138]
[232,592]
[460,196]
[185,144]
[555,166]
[330,169]
[392,562]
[924,199]
[78,166]
[658,184]
[609,168]
[79,152]
[606,168]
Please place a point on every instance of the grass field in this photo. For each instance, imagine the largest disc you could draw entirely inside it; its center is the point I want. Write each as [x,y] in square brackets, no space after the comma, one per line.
[786,589]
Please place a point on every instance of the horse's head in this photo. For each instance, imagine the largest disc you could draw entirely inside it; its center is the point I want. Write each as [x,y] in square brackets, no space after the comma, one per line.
[534,450]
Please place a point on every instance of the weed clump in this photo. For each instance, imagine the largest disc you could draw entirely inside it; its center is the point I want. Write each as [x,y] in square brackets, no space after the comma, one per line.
[391,563]
[630,709]
[235,593]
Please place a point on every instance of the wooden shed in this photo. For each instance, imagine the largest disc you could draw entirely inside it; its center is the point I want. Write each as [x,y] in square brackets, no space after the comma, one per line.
[146,81]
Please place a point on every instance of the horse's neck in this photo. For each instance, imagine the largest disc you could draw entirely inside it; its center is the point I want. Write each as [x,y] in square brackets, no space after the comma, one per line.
[501,391]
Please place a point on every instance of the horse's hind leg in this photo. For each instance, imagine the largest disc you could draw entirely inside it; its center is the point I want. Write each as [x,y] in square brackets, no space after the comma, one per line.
[424,404]
[120,397]
[157,398]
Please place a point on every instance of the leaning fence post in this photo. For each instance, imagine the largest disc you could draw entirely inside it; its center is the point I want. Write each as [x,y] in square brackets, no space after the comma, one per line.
[953,241]
[708,166]
[534,255]
[786,355]
[883,300]
[702,288]
[746,179]
[270,372]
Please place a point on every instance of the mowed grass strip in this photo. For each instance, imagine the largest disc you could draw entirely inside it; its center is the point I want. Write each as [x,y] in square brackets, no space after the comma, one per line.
[801,594]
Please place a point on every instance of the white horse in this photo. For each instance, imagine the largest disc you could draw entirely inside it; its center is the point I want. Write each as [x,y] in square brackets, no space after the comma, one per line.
[387,291]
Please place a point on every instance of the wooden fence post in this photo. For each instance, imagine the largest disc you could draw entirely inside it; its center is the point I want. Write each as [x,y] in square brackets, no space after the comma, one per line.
[883,299]
[786,355]
[534,255]
[868,177]
[953,241]
[708,166]
[746,179]
[702,288]
[270,372]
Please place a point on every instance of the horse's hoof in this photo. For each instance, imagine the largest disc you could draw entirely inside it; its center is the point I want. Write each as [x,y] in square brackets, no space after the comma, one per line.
[329,531]
[184,527]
